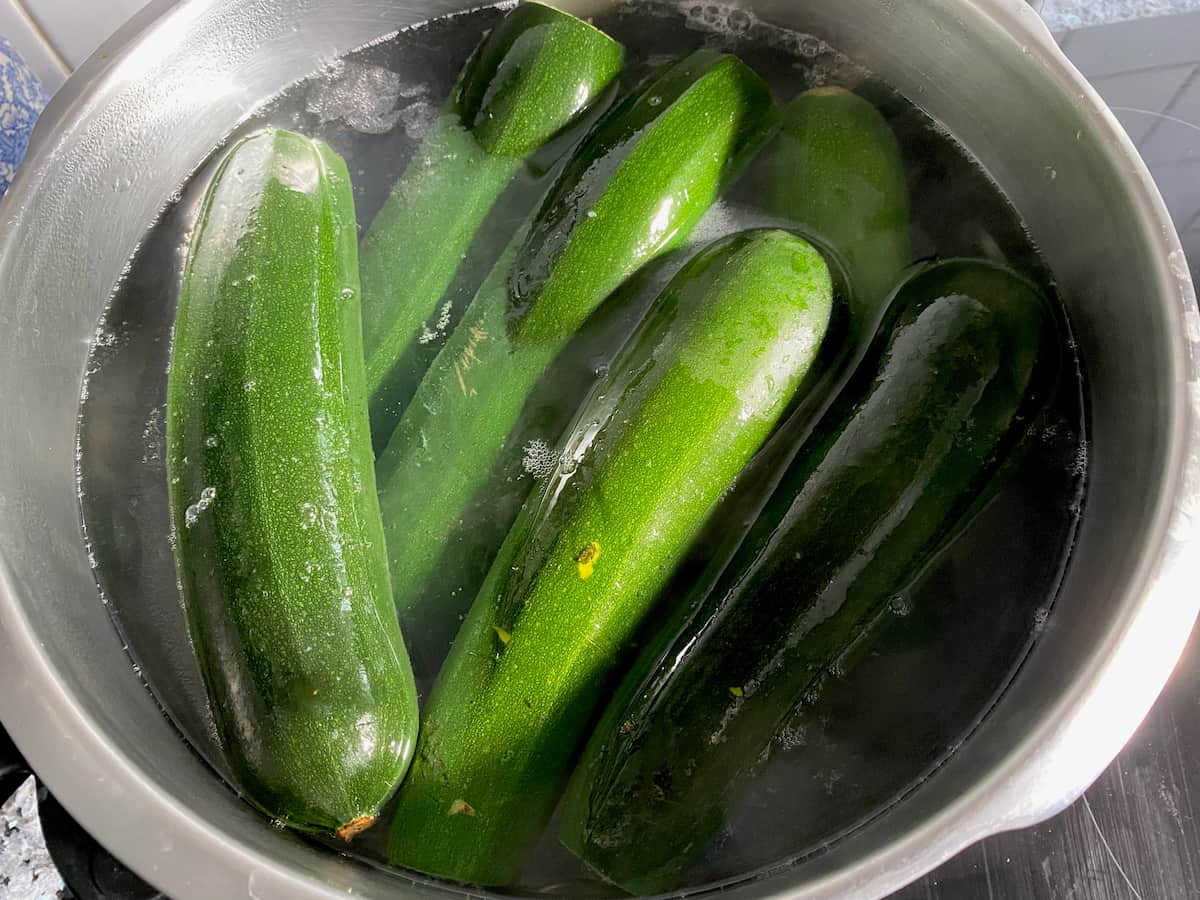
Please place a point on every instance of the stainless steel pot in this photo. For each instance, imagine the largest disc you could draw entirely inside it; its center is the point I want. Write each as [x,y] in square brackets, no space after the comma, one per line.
[155,100]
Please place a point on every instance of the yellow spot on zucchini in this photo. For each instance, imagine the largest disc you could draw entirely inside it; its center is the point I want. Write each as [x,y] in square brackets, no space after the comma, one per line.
[468,359]
[737,691]
[502,633]
[461,807]
[585,559]
[355,827]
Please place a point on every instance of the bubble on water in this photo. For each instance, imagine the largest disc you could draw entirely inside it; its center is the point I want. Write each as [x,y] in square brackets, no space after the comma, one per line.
[1079,464]
[819,62]
[192,514]
[710,16]
[152,438]
[104,338]
[416,118]
[738,21]
[540,458]
[809,47]
[1040,615]
[363,96]
[900,605]
[440,327]
[211,441]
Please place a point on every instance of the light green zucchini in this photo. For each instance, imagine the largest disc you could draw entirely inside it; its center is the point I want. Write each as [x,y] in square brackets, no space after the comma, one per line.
[534,75]
[662,438]
[634,189]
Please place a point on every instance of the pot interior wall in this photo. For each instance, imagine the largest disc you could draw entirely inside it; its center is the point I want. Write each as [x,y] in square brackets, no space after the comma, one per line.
[159,112]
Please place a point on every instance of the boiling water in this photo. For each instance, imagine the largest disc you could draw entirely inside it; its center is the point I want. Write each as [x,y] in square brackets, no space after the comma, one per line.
[952,641]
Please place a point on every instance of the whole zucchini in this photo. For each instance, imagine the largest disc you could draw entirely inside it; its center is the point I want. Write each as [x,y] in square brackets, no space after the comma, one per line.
[278,539]
[664,434]
[635,188]
[834,168]
[884,479]
[534,75]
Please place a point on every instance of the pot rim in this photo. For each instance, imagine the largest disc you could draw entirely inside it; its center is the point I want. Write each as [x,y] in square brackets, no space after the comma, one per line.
[1071,744]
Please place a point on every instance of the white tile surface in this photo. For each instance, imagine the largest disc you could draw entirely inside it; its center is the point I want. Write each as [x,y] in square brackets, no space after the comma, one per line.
[23,35]
[77,27]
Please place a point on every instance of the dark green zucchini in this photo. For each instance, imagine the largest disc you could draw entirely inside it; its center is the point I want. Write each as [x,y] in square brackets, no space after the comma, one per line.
[884,479]
[634,189]
[534,75]
[662,437]
[278,539]
[834,168]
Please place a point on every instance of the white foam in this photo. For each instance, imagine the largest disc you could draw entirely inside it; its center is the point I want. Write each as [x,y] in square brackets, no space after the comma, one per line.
[367,98]
[540,459]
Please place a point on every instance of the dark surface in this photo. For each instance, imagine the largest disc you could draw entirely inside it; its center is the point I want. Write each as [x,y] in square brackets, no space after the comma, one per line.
[1134,834]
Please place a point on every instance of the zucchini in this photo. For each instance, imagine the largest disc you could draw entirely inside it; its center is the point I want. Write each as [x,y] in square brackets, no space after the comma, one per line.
[696,392]
[902,455]
[635,188]
[534,75]
[834,168]
[278,539]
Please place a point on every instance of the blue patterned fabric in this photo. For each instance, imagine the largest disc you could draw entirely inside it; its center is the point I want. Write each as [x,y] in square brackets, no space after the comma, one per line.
[21,100]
